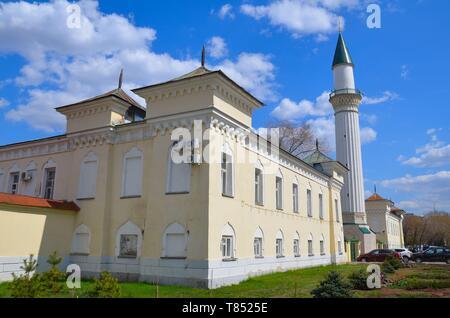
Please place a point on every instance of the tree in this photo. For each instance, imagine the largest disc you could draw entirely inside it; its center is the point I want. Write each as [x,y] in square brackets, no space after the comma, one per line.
[296,139]
[333,286]
[431,229]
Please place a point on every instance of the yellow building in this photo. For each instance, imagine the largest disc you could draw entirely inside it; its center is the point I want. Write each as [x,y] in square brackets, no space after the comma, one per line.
[240,207]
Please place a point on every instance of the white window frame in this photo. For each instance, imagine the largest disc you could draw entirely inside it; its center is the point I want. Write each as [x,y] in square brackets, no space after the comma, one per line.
[321,207]
[322,245]
[279,244]
[90,158]
[340,246]
[295,197]
[227,171]
[49,195]
[309,203]
[50,164]
[310,245]
[133,153]
[296,245]
[228,251]
[259,184]
[13,186]
[279,190]
[170,182]
[259,235]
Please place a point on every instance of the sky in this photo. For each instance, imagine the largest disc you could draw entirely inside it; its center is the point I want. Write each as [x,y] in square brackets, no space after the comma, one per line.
[281,51]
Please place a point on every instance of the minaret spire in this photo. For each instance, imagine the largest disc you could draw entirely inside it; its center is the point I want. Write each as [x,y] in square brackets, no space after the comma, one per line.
[120,79]
[203,56]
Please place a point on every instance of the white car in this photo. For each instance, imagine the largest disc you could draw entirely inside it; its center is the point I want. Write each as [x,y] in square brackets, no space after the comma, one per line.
[404,253]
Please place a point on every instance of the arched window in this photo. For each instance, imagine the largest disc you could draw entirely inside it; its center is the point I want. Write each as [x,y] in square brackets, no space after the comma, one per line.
[128,241]
[322,245]
[132,173]
[296,244]
[28,179]
[279,244]
[227,171]
[295,197]
[279,190]
[48,179]
[228,242]
[259,183]
[258,243]
[309,202]
[2,180]
[81,240]
[321,205]
[175,241]
[178,173]
[14,179]
[310,245]
[88,177]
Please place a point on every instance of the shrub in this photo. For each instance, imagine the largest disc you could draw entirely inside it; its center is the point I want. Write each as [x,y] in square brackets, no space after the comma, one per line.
[27,285]
[358,280]
[333,286]
[105,287]
[51,280]
[387,268]
[395,262]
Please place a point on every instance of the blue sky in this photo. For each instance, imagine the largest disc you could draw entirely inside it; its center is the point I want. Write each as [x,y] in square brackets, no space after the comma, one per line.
[281,51]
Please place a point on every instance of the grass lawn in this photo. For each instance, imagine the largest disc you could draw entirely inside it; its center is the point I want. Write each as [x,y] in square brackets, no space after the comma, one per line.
[409,282]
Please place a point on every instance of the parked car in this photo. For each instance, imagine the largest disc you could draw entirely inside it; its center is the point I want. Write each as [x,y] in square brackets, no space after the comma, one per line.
[405,253]
[378,255]
[433,254]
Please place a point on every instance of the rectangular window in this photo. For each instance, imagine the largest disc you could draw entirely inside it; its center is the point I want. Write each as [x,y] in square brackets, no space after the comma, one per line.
[321,206]
[279,192]
[88,180]
[295,197]
[49,183]
[227,175]
[309,202]
[227,247]
[279,247]
[175,245]
[258,187]
[310,248]
[339,247]
[336,207]
[128,246]
[322,248]
[14,182]
[296,247]
[257,246]
[132,177]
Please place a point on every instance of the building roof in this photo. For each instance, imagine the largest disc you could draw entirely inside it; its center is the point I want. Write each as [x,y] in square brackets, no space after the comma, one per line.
[117,92]
[200,72]
[376,197]
[316,157]
[23,200]
[342,55]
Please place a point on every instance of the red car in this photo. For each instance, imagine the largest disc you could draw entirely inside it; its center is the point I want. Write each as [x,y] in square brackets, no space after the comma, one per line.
[378,256]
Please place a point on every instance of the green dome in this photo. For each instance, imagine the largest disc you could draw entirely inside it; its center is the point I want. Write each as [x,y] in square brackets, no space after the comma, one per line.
[342,55]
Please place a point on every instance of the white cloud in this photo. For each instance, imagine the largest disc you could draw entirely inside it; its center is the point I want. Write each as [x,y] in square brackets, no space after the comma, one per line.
[3,102]
[217,47]
[226,11]
[66,65]
[434,154]
[425,191]
[387,96]
[290,110]
[301,17]
[368,135]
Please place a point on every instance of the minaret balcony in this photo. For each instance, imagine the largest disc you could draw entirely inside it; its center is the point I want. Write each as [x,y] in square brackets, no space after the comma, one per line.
[345,91]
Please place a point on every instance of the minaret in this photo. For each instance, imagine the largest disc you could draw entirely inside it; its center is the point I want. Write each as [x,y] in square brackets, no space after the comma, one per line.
[346,99]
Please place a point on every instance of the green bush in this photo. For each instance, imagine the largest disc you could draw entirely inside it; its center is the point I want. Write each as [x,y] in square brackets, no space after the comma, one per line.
[387,268]
[358,279]
[395,262]
[105,287]
[27,285]
[52,279]
[334,286]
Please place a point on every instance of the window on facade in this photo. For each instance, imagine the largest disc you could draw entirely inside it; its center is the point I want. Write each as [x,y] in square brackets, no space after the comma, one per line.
[296,247]
[175,241]
[336,208]
[295,197]
[88,177]
[339,247]
[49,182]
[257,246]
[279,247]
[279,192]
[14,182]
[309,202]
[227,174]
[258,186]
[2,180]
[178,173]
[227,247]
[81,240]
[310,246]
[322,247]
[128,245]
[132,174]
[321,206]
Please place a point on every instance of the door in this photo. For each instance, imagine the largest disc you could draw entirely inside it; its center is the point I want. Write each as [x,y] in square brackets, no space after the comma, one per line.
[354,250]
